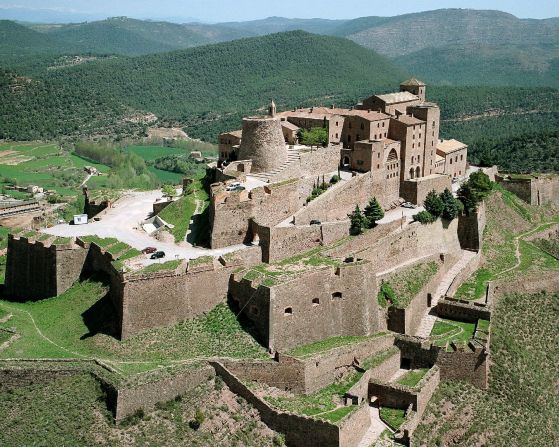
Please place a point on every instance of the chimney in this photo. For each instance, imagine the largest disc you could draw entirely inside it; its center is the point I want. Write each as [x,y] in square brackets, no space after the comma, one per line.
[332,106]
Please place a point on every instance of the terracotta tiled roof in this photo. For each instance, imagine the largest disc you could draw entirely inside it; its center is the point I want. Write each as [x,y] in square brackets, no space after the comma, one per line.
[447,146]
[234,133]
[413,82]
[326,112]
[289,125]
[397,97]
[410,120]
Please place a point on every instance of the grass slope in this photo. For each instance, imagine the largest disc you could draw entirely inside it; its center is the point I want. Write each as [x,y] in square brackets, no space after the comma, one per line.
[71,412]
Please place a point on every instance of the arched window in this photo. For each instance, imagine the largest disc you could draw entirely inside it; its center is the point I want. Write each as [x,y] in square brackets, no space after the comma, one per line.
[337,295]
[411,173]
[288,311]
[417,172]
[315,301]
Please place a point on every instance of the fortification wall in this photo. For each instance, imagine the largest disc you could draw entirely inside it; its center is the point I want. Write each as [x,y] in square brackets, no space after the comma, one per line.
[36,271]
[231,212]
[414,241]
[322,369]
[340,199]
[300,431]
[535,191]
[344,306]
[145,396]
[468,365]
[408,320]
[472,266]
[471,227]
[284,241]
[415,191]
[463,310]
[320,161]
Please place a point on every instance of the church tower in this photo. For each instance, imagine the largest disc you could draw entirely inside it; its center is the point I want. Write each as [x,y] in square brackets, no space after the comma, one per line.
[415,87]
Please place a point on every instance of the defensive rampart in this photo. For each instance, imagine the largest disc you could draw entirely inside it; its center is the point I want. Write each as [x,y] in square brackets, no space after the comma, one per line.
[302,431]
[41,269]
[536,190]
[231,212]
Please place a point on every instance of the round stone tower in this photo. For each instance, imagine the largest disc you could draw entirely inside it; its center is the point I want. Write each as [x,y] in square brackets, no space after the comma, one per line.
[263,143]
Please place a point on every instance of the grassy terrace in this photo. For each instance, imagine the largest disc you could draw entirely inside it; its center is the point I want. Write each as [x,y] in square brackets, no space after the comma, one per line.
[400,288]
[271,274]
[449,331]
[180,212]
[169,265]
[120,250]
[325,403]
[393,417]
[412,378]
[509,221]
[87,318]
[321,346]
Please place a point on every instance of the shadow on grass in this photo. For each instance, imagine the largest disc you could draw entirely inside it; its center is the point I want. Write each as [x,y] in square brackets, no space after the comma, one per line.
[246,324]
[101,318]
[200,235]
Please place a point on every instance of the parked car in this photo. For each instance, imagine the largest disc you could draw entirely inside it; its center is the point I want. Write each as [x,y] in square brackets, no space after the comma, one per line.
[234,187]
[316,222]
[455,180]
[149,250]
[158,255]
[409,205]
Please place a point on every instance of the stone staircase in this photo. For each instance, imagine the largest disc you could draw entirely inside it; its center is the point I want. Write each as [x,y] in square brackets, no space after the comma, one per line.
[293,160]
[375,430]
[428,320]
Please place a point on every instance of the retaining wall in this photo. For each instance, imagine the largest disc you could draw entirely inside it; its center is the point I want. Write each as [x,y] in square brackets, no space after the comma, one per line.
[462,310]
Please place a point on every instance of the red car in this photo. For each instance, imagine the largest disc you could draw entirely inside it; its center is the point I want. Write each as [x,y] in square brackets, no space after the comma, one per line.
[149,250]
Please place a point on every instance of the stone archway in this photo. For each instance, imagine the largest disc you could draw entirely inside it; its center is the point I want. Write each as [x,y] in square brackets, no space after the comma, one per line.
[345,161]
[412,173]
[417,172]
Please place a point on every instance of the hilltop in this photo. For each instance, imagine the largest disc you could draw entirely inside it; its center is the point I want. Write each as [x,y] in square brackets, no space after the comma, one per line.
[207,82]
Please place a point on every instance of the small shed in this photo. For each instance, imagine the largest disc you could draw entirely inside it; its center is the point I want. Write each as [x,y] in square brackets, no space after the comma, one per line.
[80,219]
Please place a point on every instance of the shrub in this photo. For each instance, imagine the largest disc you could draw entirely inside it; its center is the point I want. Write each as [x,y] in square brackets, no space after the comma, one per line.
[386,295]
[424,217]
[335,179]
[198,420]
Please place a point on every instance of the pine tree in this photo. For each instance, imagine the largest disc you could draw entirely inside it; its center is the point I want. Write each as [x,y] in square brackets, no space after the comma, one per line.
[433,204]
[451,206]
[469,198]
[358,221]
[373,212]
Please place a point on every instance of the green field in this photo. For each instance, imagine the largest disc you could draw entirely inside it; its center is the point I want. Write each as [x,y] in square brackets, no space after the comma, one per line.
[154,152]
[44,165]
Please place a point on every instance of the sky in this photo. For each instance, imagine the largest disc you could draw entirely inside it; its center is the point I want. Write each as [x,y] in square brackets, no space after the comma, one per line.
[240,10]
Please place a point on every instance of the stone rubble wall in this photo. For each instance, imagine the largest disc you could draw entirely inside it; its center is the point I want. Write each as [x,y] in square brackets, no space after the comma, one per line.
[415,191]
[462,310]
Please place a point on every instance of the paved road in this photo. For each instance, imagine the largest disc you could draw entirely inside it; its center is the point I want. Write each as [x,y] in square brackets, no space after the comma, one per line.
[123,221]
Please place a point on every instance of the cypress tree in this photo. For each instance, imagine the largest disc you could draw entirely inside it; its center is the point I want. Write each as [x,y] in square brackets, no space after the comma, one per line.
[373,212]
[358,221]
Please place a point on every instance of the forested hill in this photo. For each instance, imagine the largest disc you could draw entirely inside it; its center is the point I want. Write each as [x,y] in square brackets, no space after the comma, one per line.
[121,35]
[406,34]
[195,86]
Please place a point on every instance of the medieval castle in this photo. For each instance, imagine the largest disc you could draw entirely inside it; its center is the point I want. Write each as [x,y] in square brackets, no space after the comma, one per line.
[300,278]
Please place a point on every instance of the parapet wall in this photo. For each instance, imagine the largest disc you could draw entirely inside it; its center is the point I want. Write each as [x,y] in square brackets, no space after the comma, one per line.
[302,431]
[537,190]
[231,212]
[340,199]
[415,191]
[36,270]
[471,227]
[167,297]
[462,310]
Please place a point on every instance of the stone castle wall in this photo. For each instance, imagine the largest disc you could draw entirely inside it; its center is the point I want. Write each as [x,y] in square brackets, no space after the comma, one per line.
[415,191]
[163,389]
[340,200]
[302,431]
[463,310]
[281,242]
[413,241]
[344,307]
[231,213]
[36,271]
[320,161]
[535,191]
[471,227]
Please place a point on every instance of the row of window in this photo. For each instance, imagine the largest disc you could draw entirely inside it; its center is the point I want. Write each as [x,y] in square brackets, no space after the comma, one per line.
[456,158]
[314,302]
